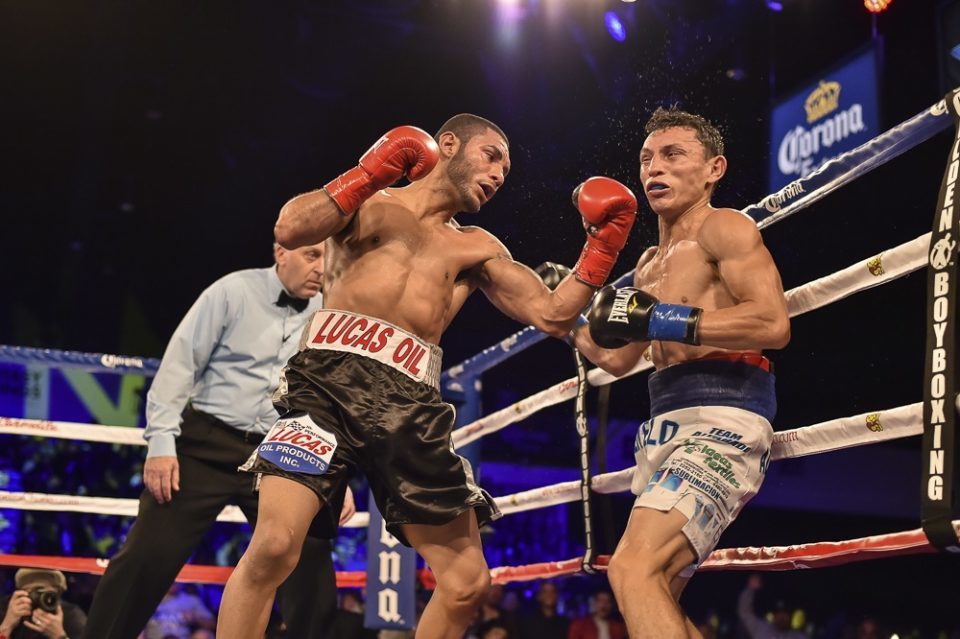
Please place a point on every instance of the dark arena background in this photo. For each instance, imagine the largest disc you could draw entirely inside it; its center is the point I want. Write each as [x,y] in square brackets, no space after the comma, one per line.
[148,146]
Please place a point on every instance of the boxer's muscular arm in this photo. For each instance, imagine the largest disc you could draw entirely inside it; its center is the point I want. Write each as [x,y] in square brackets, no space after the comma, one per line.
[313,217]
[519,293]
[759,319]
[608,210]
[307,219]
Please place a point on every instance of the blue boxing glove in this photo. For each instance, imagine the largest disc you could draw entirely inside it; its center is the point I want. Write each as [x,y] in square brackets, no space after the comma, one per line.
[621,316]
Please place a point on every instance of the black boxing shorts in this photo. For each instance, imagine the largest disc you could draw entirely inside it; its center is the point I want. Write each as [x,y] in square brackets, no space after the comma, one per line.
[363,393]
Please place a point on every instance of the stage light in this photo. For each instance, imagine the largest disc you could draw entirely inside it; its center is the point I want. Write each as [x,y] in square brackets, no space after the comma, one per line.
[509,15]
[773,5]
[876,6]
[955,52]
[614,27]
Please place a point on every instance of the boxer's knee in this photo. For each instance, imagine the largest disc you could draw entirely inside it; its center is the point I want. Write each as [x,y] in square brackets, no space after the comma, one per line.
[273,552]
[466,587]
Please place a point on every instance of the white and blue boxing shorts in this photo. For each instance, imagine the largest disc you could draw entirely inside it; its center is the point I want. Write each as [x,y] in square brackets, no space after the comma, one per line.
[704,452]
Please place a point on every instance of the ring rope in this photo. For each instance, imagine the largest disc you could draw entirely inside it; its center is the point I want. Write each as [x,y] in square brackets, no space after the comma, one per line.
[120,506]
[820,554]
[93,362]
[845,432]
[130,435]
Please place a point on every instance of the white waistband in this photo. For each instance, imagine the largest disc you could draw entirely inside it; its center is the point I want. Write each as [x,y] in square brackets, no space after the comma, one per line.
[334,330]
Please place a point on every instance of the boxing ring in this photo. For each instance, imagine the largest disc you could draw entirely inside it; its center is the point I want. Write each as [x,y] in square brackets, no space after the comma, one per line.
[461,386]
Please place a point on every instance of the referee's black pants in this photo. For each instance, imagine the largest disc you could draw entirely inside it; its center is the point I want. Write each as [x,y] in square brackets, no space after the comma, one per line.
[165,535]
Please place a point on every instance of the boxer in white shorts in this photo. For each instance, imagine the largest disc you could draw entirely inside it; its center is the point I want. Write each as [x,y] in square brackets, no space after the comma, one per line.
[705,461]
[706,301]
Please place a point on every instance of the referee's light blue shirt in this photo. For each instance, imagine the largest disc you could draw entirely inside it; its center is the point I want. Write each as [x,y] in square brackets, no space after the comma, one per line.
[226,356]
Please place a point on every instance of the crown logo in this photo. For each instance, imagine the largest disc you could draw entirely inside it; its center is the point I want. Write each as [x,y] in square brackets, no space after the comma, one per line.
[822,101]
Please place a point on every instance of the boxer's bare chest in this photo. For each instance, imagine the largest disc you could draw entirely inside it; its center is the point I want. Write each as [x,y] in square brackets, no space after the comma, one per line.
[679,273]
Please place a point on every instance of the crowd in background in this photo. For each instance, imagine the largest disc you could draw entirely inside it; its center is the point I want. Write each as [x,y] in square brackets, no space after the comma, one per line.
[540,610]
[570,608]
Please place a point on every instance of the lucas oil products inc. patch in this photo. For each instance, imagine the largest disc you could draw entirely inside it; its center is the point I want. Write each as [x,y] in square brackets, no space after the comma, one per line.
[298,445]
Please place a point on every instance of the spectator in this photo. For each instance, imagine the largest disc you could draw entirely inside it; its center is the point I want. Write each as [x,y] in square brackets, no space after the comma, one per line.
[545,621]
[179,615]
[491,610]
[601,622]
[36,608]
[758,627]
[494,629]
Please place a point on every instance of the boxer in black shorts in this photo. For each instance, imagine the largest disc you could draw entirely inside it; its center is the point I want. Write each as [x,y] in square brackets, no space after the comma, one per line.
[402,446]
[364,391]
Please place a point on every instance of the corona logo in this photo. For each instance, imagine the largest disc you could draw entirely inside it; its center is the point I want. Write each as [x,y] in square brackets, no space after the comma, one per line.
[775,201]
[799,145]
[875,266]
[873,422]
[823,101]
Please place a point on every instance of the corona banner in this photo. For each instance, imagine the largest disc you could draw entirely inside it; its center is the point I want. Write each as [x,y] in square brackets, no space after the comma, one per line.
[833,114]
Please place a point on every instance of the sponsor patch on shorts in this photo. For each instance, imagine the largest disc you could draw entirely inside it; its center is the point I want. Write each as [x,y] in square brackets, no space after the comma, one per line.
[298,445]
[390,345]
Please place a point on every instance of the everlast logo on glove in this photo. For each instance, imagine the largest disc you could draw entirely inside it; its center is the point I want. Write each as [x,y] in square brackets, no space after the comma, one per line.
[622,306]
[373,338]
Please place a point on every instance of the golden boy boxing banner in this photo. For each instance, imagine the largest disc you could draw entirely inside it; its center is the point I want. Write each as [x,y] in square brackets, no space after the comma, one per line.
[940,385]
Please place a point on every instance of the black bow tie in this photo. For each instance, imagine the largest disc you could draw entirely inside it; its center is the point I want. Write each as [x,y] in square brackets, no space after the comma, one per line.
[297,304]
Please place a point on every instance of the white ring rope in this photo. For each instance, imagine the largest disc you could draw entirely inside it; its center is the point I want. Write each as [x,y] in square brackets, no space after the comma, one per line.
[845,432]
[129,435]
[122,507]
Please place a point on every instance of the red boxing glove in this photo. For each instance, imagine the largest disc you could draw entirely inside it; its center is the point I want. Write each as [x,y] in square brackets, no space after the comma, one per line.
[609,210]
[405,150]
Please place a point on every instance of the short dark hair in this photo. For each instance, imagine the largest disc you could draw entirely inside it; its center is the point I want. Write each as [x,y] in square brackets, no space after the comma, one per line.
[467,125]
[708,135]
